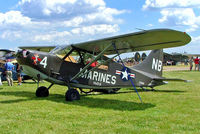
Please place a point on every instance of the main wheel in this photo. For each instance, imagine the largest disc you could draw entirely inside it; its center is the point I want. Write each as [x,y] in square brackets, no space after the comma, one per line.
[72,94]
[42,92]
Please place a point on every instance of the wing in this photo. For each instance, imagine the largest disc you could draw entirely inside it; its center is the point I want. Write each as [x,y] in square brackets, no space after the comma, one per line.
[139,41]
[38,48]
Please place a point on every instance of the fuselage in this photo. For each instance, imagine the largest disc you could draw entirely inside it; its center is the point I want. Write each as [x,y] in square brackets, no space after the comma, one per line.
[53,69]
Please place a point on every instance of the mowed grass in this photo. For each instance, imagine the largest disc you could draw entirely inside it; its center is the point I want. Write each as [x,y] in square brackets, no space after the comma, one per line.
[173,108]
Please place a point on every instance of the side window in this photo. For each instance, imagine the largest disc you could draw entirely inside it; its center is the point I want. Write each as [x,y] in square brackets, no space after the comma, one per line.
[74,57]
[100,63]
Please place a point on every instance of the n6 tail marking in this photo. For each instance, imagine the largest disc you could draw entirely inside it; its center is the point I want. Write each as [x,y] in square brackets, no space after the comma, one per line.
[157,65]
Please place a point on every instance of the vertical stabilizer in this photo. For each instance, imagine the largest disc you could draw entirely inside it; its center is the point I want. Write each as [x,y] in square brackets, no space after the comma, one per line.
[153,64]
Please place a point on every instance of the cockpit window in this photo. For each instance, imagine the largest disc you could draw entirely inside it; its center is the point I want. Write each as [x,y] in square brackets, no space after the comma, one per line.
[76,56]
[61,50]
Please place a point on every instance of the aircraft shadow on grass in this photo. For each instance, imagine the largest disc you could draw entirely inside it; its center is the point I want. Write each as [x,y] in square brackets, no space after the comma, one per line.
[86,101]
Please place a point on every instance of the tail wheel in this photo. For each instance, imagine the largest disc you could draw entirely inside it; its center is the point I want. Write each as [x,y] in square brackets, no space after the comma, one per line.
[72,94]
[115,89]
[112,91]
[42,92]
[107,91]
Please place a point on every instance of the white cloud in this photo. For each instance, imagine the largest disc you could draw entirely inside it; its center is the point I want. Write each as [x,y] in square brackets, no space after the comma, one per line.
[196,40]
[155,4]
[65,9]
[14,17]
[149,25]
[180,17]
[11,35]
[193,47]
[96,29]
[58,21]
[177,12]
[61,37]
[14,20]
[52,36]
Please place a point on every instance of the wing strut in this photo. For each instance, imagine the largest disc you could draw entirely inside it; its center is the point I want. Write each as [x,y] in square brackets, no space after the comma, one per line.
[88,65]
[115,48]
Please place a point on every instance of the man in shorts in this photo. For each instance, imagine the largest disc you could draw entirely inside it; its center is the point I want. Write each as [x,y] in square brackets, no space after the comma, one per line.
[19,71]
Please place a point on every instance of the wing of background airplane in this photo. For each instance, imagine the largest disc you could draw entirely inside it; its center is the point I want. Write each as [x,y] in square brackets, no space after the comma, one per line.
[38,48]
[6,54]
[138,41]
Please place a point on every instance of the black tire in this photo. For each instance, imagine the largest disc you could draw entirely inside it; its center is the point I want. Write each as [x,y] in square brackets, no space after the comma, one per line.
[72,94]
[42,92]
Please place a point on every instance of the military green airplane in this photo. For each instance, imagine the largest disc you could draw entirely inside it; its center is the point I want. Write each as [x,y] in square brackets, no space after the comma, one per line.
[68,65]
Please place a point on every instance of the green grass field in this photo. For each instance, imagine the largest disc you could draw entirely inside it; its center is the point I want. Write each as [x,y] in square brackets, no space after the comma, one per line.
[173,108]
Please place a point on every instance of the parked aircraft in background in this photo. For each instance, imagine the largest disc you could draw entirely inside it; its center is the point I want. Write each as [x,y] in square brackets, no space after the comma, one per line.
[9,54]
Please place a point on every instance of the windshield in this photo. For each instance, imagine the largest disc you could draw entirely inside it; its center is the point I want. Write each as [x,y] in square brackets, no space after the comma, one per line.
[61,50]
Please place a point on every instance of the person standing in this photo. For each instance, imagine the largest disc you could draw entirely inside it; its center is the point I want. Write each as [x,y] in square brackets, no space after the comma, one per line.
[0,79]
[8,68]
[19,71]
[199,65]
[191,63]
[196,62]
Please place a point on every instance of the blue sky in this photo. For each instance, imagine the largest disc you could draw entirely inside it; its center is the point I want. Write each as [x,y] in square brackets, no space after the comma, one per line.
[59,22]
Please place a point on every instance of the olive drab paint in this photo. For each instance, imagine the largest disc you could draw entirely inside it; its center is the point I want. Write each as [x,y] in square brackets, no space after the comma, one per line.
[54,69]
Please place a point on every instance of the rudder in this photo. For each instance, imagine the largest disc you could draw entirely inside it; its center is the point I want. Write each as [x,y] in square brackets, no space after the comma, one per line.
[153,63]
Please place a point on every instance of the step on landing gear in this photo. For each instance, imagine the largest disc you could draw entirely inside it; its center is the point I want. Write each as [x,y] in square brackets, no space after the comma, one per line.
[72,94]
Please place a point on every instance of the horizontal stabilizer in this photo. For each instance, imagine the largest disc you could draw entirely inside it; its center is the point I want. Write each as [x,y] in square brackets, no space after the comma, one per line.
[171,79]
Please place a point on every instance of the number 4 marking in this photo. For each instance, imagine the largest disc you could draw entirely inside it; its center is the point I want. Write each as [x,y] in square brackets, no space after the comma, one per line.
[44,62]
